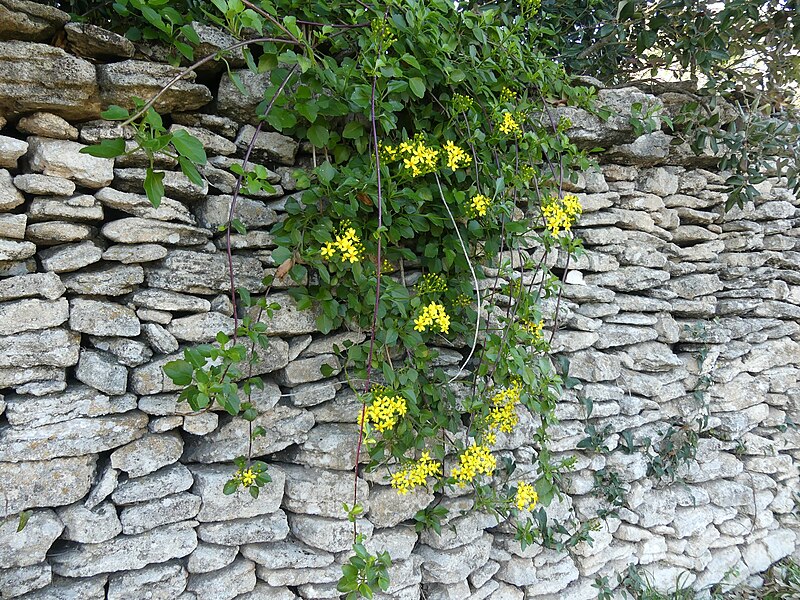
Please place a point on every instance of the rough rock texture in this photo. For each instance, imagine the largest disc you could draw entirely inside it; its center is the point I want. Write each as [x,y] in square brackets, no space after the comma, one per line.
[99,291]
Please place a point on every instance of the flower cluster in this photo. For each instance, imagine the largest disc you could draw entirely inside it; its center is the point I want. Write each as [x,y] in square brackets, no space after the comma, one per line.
[526,497]
[346,242]
[503,415]
[534,328]
[478,206]
[417,157]
[432,314]
[561,213]
[509,126]
[456,157]
[475,460]
[245,477]
[431,283]
[416,474]
[507,95]
[383,33]
[384,411]
[461,103]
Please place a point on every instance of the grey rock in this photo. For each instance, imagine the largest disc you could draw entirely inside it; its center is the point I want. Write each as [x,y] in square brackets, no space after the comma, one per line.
[650,356]
[10,196]
[135,230]
[76,401]
[176,184]
[225,584]
[289,554]
[284,426]
[172,301]
[269,145]
[28,547]
[209,481]
[120,82]
[169,480]
[49,347]
[211,557]
[201,424]
[10,150]
[161,340]
[159,582]
[13,226]
[135,253]
[77,437]
[221,125]
[199,273]
[452,566]
[58,232]
[288,320]
[265,528]
[62,158]
[114,280]
[311,394]
[154,316]
[89,526]
[23,20]
[70,257]
[47,125]
[71,589]
[321,492]
[622,335]
[592,365]
[629,279]
[16,250]
[31,314]
[329,445]
[310,369]
[148,515]
[201,327]
[21,580]
[331,535]
[77,208]
[46,285]
[96,317]
[138,205]
[90,40]
[15,377]
[692,286]
[30,72]
[147,454]
[130,353]
[231,102]
[388,509]
[127,552]
[213,212]
[47,483]
[213,143]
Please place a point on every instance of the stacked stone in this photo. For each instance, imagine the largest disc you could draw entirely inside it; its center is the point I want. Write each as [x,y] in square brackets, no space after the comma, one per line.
[99,290]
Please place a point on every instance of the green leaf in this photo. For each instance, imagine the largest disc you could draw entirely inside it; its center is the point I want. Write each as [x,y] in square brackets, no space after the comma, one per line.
[353,130]
[417,86]
[254,491]
[154,186]
[318,135]
[189,146]
[179,371]
[115,113]
[230,487]
[326,172]
[24,517]
[106,148]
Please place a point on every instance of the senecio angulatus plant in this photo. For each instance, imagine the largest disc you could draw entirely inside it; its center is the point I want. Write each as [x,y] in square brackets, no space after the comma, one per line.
[438,155]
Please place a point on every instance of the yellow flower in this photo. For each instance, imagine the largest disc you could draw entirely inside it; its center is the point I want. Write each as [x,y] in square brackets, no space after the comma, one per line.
[347,242]
[560,214]
[479,205]
[384,411]
[503,414]
[432,314]
[526,497]
[247,477]
[417,157]
[507,95]
[509,125]
[534,328]
[416,474]
[327,251]
[474,461]
[431,283]
[456,157]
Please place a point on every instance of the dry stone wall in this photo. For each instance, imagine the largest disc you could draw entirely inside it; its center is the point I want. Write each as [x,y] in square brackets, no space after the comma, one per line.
[98,290]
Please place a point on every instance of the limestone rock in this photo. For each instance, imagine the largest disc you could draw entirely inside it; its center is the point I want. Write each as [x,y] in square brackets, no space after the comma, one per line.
[331,535]
[452,566]
[13,226]
[114,280]
[386,509]
[172,301]
[10,251]
[90,40]
[120,82]
[289,554]
[199,273]
[21,580]
[209,481]
[47,125]
[61,158]
[321,492]
[24,20]
[90,526]
[213,143]
[135,230]
[102,318]
[127,552]
[242,107]
[77,208]
[71,589]
[161,340]
[288,319]
[210,557]
[213,212]
[139,206]
[15,377]
[305,370]
[201,327]
[225,584]
[135,253]
[77,437]
[58,232]
[329,445]
[269,145]
[147,454]
[31,314]
[176,184]
[70,257]
[49,347]
[29,546]
[10,196]
[169,480]
[169,509]
[76,401]
[128,352]
[46,285]
[49,483]
[10,150]
[265,528]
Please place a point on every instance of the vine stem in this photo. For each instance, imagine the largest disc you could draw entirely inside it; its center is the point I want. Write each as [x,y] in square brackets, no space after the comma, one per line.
[368,383]
[194,66]
[474,281]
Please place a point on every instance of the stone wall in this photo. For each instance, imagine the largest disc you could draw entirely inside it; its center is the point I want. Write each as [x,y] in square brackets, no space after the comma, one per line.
[98,291]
